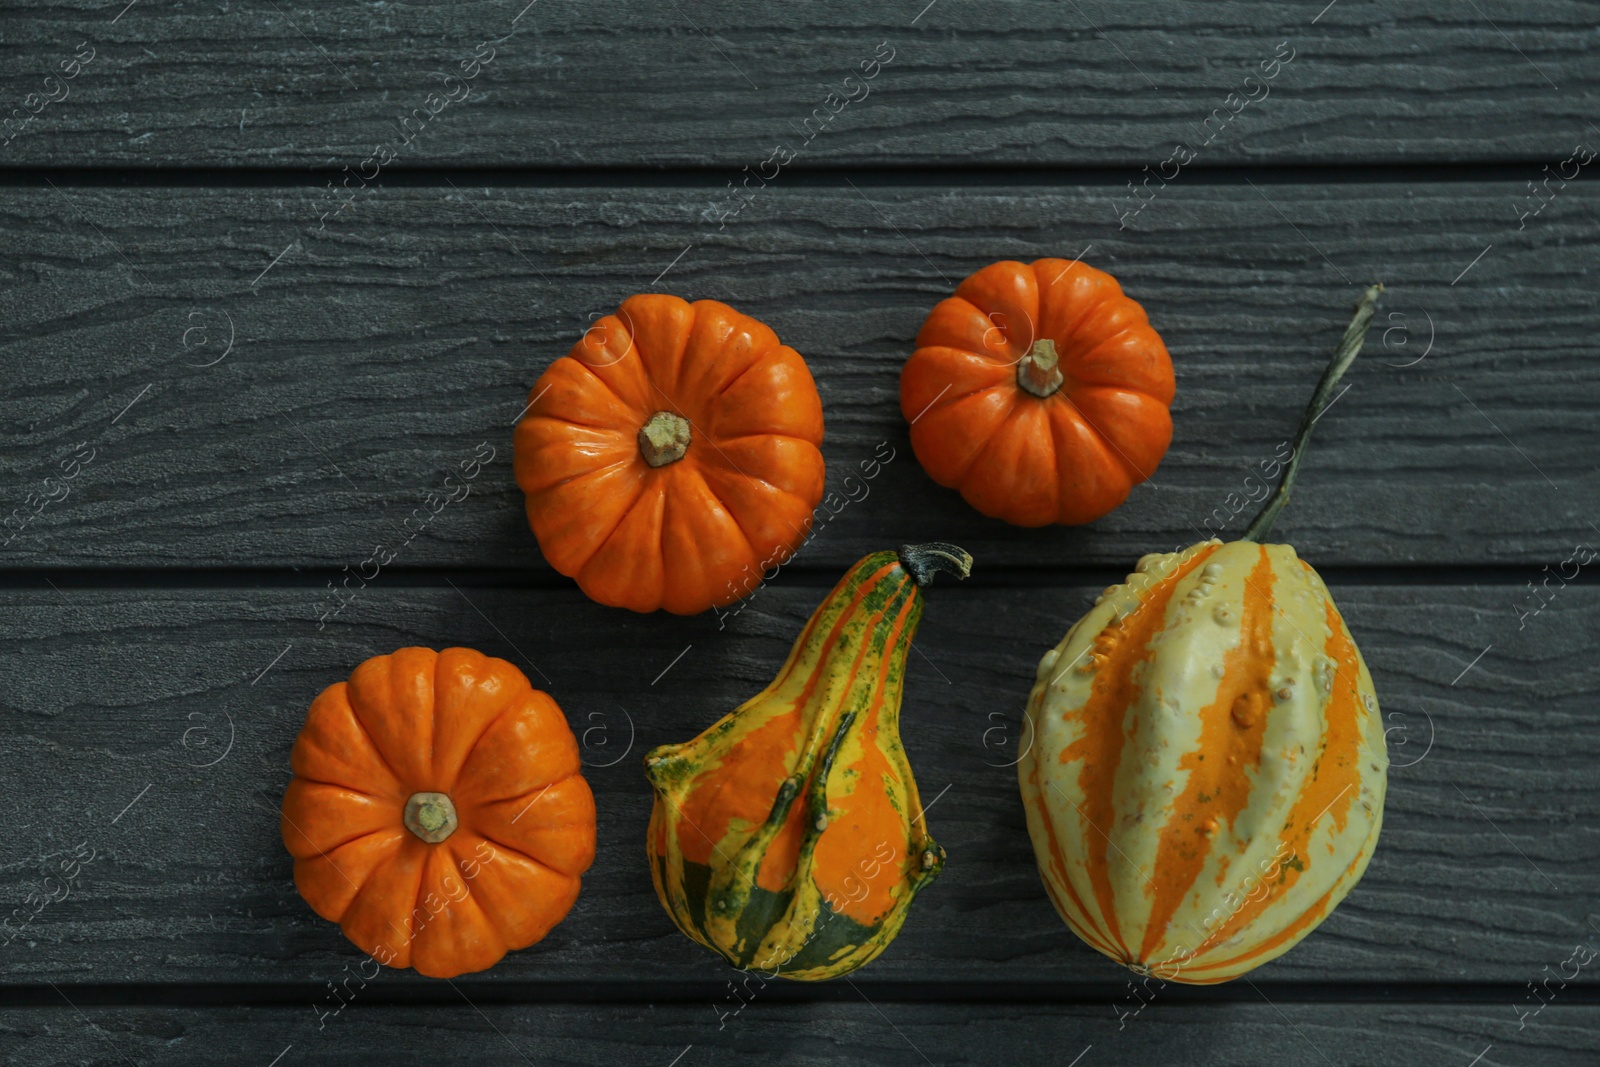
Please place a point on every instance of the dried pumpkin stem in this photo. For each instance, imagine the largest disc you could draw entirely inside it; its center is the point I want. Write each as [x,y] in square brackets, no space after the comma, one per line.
[922,562]
[431,816]
[1349,347]
[1039,372]
[664,439]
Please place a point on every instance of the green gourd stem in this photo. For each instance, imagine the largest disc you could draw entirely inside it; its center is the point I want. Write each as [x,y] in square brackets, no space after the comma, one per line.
[922,562]
[1349,347]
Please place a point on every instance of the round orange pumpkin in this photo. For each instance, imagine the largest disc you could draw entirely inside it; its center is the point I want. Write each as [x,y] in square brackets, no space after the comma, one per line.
[671,455]
[1039,391]
[437,812]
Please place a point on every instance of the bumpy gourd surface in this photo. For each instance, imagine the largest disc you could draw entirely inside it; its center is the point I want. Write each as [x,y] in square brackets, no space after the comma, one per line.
[1207,771]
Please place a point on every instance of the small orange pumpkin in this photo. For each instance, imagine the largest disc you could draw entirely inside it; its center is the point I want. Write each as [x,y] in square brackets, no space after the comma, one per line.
[437,812]
[1040,392]
[673,452]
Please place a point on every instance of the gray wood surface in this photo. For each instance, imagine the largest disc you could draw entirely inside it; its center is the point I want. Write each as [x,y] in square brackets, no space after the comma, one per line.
[224,380]
[721,83]
[369,359]
[121,706]
[863,1031]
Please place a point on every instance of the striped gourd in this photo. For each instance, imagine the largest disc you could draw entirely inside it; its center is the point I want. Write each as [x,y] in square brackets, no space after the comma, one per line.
[789,836]
[1206,776]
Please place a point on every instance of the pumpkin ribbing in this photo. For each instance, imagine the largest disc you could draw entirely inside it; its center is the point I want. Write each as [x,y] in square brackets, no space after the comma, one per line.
[438,812]
[1040,392]
[674,451]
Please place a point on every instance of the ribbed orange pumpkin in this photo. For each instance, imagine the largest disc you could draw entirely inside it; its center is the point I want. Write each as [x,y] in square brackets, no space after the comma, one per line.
[437,812]
[1206,776]
[1039,391]
[671,454]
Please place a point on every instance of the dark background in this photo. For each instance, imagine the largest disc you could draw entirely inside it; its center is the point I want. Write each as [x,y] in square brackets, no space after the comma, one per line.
[265,394]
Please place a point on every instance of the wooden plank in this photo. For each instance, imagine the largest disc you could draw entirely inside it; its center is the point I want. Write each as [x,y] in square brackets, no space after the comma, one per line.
[369,360]
[715,83]
[121,706]
[859,1032]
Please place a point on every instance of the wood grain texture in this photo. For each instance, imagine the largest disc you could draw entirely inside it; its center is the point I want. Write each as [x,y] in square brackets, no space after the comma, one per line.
[863,1032]
[716,82]
[121,706]
[258,385]
[369,359]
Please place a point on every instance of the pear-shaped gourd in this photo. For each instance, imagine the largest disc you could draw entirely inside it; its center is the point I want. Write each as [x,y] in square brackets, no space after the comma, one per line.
[1207,771]
[789,836]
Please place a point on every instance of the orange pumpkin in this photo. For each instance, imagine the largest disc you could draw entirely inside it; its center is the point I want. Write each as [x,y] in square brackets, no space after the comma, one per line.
[437,812]
[1040,392]
[672,454]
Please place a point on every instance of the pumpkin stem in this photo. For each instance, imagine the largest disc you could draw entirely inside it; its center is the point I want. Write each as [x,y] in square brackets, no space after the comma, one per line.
[922,562]
[431,816]
[1039,371]
[664,439]
[1349,347]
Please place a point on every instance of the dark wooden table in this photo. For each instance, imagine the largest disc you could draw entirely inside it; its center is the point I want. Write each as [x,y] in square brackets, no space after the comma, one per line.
[259,318]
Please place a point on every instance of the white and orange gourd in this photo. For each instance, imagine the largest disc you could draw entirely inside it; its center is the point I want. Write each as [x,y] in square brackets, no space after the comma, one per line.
[1206,776]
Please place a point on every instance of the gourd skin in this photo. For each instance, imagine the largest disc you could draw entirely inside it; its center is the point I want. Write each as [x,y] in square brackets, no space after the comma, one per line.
[789,836]
[1207,770]
[454,723]
[671,454]
[1068,444]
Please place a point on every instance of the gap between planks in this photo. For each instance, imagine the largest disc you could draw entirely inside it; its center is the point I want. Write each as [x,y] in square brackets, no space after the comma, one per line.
[408,990]
[714,176]
[998,576]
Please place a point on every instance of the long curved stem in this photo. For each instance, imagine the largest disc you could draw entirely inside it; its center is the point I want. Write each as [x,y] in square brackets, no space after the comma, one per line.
[1349,347]
[922,562]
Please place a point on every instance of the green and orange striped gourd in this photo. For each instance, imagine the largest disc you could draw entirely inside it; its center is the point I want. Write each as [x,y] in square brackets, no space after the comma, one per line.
[789,837]
[1207,770]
